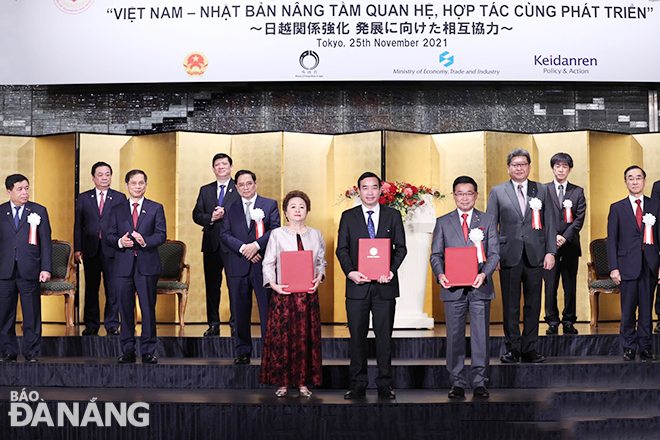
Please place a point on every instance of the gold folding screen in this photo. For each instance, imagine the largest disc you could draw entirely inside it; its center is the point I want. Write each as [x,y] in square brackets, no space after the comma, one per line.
[323,166]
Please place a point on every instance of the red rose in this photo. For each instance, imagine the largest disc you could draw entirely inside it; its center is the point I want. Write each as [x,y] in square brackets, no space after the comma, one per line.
[382,200]
[421,202]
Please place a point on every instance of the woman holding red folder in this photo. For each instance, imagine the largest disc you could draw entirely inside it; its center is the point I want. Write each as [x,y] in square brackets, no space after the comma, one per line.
[292,348]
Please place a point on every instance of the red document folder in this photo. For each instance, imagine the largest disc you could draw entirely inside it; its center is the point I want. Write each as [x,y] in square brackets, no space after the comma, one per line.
[297,270]
[374,257]
[461,265]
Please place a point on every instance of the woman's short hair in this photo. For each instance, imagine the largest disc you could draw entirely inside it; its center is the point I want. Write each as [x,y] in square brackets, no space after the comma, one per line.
[293,194]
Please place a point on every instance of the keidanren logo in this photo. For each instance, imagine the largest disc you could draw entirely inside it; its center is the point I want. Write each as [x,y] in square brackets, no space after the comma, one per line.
[540,60]
[27,409]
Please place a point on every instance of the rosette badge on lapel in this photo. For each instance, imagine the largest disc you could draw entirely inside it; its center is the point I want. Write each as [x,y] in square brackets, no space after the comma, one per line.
[258,215]
[476,236]
[536,204]
[33,220]
[568,211]
[649,221]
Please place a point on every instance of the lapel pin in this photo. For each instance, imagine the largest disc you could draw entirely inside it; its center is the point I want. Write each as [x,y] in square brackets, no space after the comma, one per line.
[144,212]
[93,196]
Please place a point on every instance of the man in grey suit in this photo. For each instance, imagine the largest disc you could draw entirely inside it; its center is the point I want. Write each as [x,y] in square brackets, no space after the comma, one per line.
[467,227]
[528,244]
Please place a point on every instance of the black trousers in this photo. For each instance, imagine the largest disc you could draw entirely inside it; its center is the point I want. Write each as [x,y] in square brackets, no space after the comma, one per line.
[530,278]
[214,264]
[637,297]
[30,293]
[145,286]
[94,267]
[566,266]
[241,288]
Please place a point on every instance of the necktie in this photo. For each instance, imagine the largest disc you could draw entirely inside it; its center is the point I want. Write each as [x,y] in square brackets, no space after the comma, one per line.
[465,227]
[638,214]
[101,203]
[521,200]
[135,215]
[299,240]
[16,217]
[370,225]
[248,218]
[221,197]
[560,196]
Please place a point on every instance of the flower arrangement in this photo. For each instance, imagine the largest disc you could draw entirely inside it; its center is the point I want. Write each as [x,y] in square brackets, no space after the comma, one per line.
[401,196]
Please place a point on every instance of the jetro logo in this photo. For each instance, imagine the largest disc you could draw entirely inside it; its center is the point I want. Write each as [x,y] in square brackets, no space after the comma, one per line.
[195,64]
[309,60]
[73,6]
[446,60]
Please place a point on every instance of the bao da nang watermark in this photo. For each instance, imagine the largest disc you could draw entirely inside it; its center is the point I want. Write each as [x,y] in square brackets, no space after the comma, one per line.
[28,409]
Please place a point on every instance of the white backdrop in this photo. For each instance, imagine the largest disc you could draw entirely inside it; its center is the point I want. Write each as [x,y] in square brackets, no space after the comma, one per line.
[131,41]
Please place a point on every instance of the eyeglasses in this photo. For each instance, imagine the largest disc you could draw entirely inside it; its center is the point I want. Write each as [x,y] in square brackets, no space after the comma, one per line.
[634,179]
[461,195]
[245,184]
[519,165]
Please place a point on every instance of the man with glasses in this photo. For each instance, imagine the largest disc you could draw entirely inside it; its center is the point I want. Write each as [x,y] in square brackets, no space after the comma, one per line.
[467,227]
[528,244]
[245,232]
[633,245]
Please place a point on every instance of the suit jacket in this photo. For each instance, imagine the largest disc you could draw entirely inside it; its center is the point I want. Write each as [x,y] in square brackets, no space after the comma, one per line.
[515,231]
[570,231]
[152,226]
[89,222]
[235,233]
[352,227]
[655,193]
[206,203]
[625,241]
[449,233]
[32,259]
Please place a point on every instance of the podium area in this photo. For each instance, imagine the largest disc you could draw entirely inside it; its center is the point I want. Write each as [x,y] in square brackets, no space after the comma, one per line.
[584,391]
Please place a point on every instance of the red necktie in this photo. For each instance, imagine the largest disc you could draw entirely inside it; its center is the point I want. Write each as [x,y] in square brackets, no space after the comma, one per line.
[465,227]
[638,213]
[101,203]
[135,215]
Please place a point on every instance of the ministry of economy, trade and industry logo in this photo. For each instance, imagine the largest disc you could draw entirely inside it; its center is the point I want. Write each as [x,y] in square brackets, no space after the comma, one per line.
[73,6]
[28,409]
[195,64]
[446,59]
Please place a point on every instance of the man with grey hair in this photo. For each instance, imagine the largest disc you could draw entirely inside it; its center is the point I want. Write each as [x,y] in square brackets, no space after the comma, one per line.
[527,247]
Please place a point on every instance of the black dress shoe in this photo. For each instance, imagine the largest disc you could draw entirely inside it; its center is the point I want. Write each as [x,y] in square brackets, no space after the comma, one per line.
[553,329]
[127,358]
[647,355]
[657,328]
[213,330]
[32,359]
[386,393]
[629,355]
[510,357]
[242,360]
[355,393]
[8,358]
[112,332]
[481,392]
[90,331]
[569,329]
[532,357]
[149,358]
[456,392]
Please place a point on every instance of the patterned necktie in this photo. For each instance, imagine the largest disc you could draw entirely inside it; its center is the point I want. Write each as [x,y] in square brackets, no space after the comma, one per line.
[101,203]
[135,215]
[561,196]
[521,200]
[370,225]
[300,244]
[465,227]
[248,218]
[16,217]
[638,213]
[221,197]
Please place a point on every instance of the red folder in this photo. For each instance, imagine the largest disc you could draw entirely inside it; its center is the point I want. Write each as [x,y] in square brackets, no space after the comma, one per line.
[297,269]
[461,265]
[374,257]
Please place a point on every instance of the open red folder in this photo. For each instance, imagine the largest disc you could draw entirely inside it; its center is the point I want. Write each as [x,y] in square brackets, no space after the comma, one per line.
[374,257]
[297,270]
[461,265]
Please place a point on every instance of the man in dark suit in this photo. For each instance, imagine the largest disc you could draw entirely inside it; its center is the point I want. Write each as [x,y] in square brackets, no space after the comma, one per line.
[528,244]
[209,212]
[245,232]
[370,220]
[92,212]
[467,227]
[633,246]
[135,230]
[25,260]
[655,195]
[570,207]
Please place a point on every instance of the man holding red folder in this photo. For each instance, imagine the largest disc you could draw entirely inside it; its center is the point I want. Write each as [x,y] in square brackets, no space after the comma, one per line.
[466,228]
[370,220]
